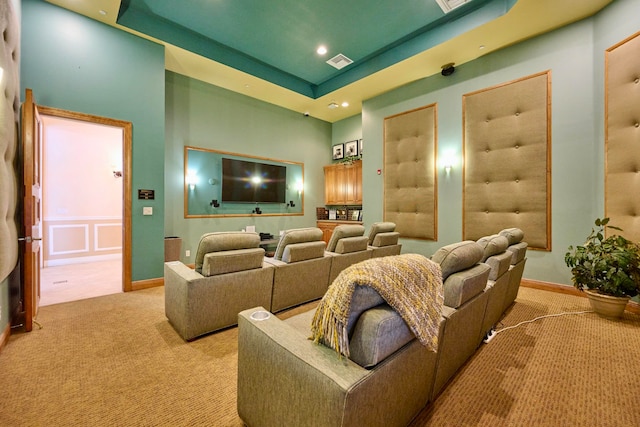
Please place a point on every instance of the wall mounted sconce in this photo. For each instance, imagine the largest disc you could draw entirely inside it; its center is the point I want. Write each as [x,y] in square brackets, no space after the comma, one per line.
[299,187]
[117,174]
[191,180]
[448,159]
[291,204]
[215,203]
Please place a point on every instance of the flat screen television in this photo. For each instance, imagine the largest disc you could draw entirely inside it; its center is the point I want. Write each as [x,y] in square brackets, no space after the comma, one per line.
[251,182]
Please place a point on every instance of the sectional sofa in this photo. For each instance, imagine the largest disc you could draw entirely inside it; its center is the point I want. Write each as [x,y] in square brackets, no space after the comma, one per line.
[284,378]
[232,273]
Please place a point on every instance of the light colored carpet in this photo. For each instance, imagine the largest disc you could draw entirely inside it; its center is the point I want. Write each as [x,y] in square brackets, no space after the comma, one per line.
[116,361]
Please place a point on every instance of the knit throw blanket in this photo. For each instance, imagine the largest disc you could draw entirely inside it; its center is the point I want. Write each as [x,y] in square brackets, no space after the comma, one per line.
[411,284]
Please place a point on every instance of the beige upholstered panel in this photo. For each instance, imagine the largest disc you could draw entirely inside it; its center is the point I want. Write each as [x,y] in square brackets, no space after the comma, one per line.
[622,178]
[9,113]
[410,182]
[507,158]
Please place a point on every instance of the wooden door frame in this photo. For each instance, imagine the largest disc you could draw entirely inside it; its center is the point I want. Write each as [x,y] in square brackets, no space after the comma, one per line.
[126,172]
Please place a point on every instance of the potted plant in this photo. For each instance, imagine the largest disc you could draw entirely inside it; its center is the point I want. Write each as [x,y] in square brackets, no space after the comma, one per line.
[608,269]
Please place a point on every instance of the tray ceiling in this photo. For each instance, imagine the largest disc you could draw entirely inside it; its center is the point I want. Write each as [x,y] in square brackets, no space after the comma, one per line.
[267,49]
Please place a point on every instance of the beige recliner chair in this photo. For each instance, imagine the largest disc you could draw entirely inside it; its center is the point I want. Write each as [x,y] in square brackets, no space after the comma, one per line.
[518,250]
[348,245]
[496,256]
[285,379]
[301,271]
[464,280]
[383,239]
[229,277]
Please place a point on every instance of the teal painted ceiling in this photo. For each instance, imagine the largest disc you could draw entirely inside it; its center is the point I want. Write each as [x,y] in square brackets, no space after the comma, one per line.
[276,40]
[266,49]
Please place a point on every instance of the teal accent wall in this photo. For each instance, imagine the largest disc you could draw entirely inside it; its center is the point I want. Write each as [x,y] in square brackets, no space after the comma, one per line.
[75,63]
[346,130]
[206,116]
[575,56]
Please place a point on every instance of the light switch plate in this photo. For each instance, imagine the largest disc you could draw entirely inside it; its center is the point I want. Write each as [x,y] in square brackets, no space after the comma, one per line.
[147,210]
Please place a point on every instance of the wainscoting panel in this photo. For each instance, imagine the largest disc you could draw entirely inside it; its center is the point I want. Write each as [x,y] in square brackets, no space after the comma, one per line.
[81,239]
[108,237]
[68,239]
[622,134]
[507,160]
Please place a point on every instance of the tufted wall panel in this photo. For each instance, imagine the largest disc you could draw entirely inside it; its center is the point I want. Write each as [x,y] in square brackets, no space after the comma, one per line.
[507,146]
[410,181]
[9,116]
[622,124]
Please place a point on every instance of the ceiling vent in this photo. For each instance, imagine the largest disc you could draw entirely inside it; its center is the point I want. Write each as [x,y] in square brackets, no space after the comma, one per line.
[448,5]
[339,61]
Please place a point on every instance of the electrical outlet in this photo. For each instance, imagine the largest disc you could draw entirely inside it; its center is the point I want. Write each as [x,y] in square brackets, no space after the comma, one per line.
[187,253]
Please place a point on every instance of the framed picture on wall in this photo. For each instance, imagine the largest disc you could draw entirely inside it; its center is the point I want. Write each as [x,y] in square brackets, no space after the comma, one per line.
[360,146]
[338,151]
[351,148]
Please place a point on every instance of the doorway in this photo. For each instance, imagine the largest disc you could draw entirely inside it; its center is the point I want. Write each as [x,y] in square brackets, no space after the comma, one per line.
[84,201]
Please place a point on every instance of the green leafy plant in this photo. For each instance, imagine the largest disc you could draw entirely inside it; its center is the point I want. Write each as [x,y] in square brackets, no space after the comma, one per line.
[350,159]
[609,265]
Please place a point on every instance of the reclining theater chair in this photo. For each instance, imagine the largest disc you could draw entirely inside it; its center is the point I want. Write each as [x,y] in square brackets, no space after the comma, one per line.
[285,379]
[229,277]
[518,250]
[301,272]
[348,245]
[496,256]
[464,279]
[383,239]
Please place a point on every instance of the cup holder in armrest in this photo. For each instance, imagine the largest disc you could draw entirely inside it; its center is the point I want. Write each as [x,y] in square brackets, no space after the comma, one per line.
[260,315]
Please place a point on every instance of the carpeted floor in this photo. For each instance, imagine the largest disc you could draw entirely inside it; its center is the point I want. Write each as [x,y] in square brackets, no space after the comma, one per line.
[116,361]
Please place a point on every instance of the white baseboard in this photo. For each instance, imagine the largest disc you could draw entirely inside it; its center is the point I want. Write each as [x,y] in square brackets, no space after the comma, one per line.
[82,260]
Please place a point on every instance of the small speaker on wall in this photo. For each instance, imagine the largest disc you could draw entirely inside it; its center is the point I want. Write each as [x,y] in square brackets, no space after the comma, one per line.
[448,69]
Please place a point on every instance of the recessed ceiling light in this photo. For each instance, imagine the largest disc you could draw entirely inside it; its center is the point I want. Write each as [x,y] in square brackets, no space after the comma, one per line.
[102,12]
[333,105]
[481,47]
[322,50]
[345,104]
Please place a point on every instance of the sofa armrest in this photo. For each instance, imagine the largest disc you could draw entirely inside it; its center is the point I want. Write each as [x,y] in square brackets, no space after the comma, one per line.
[281,371]
[286,379]
[272,261]
[182,271]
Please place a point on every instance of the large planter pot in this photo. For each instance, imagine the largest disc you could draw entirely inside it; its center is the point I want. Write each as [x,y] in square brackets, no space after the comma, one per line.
[606,305]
